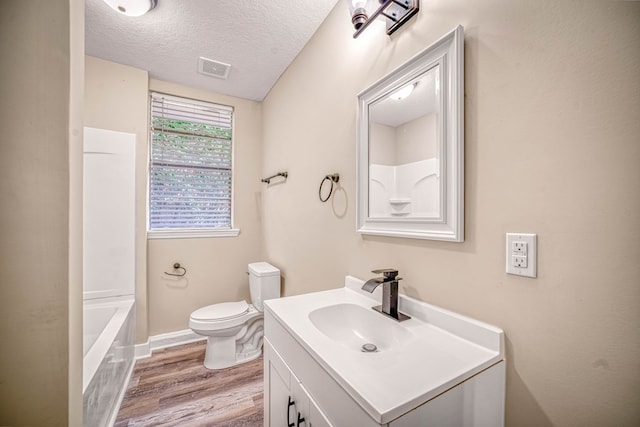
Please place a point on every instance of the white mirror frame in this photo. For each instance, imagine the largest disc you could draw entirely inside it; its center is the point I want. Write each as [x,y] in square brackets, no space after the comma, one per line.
[448,53]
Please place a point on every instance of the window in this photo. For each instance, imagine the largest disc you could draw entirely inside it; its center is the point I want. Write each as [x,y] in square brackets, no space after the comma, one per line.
[190,168]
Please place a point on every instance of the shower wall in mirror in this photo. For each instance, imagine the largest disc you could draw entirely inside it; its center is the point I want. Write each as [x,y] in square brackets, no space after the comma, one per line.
[410,147]
[404,151]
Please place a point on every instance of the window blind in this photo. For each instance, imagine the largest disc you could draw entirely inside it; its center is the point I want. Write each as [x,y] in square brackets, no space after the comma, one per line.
[190,164]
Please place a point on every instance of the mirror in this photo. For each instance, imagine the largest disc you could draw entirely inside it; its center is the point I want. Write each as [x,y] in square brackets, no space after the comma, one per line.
[411,147]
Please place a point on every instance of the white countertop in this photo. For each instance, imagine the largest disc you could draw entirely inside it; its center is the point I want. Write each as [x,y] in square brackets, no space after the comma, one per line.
[442,349]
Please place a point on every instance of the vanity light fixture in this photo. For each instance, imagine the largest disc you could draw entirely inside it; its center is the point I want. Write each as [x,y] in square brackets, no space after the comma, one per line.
[395,12]
[403,92]
[132,7]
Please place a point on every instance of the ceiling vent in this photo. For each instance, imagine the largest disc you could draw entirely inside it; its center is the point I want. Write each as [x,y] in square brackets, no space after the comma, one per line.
[213,68]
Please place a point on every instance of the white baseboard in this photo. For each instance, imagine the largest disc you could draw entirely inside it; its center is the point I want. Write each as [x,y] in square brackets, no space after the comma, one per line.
[142,351]
[170,339]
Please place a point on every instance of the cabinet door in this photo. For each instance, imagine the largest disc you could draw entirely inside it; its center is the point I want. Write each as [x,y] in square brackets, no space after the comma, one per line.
[299,413]
[308,414]
[316,417]
[279,379]
[289,403]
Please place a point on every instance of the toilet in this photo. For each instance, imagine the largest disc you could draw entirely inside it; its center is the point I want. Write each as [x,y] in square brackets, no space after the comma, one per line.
[234,330]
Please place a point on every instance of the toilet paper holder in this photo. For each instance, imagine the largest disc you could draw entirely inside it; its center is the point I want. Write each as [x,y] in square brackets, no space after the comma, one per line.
[177,266]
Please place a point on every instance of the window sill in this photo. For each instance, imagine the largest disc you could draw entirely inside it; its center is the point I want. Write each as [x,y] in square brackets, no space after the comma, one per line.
[192,234]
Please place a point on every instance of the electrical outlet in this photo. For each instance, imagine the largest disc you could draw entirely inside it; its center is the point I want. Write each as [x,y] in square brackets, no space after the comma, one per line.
[519,261]
[520,247]
[521,254]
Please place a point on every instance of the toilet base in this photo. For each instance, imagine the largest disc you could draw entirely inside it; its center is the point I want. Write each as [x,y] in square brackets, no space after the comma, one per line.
[245,346]
[218,364]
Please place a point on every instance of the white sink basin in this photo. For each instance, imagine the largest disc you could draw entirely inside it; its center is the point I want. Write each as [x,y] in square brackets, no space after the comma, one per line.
[353,326]
[417,359]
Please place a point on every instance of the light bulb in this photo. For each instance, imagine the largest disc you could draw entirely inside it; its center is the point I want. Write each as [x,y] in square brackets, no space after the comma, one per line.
[358,13]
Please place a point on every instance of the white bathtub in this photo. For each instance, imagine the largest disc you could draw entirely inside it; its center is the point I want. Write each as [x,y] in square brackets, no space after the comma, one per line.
[109,339]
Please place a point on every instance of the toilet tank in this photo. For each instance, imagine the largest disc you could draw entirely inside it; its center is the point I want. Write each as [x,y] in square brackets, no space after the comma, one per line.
[264,283]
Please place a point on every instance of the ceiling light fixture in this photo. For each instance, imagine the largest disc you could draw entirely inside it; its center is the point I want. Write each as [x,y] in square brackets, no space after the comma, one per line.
[403,92]
[395,12]
[132,7]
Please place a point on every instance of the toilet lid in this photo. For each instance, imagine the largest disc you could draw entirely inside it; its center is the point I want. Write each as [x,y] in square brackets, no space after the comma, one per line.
[221,311]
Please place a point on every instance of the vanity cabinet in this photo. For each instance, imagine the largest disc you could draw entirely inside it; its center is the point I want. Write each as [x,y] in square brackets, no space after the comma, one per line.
[289,404]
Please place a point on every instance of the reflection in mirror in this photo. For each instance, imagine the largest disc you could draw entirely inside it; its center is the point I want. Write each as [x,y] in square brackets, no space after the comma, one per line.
[404,151]
[410,161]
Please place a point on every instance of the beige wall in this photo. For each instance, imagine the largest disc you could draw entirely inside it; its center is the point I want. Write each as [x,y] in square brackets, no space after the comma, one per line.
[407,143]
[416,140]
[551,122]
[382,145]
[76,124]
[116,98]
[216,267]
[39,380]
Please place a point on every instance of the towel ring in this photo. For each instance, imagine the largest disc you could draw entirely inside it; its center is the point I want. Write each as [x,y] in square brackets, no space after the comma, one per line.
[334,178]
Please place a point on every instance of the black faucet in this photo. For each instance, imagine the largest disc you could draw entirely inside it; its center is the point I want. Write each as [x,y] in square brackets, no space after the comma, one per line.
[389,282]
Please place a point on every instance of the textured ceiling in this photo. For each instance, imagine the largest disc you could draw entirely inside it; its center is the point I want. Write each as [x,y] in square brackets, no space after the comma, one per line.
[258,38]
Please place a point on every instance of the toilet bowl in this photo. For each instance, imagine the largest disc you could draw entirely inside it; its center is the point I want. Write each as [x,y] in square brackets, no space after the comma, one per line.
[234,330]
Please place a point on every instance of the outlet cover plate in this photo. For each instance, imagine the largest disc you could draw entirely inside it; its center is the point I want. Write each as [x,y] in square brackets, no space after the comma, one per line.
[521,254]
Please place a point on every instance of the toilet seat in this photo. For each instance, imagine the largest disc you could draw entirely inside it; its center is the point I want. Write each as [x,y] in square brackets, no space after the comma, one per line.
[220,311]
[222,318]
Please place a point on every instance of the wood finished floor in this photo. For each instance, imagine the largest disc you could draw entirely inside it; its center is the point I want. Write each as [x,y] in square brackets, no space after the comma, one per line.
[173,388]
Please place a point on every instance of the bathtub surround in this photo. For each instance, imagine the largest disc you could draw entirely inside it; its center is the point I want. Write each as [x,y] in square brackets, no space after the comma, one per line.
[109,271]
[403,190]
[109,214]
